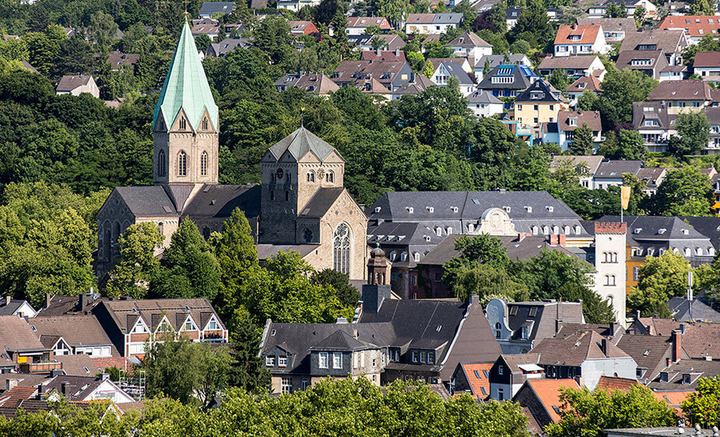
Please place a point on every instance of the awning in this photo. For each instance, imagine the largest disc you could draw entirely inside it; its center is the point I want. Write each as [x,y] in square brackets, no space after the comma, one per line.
[530,368]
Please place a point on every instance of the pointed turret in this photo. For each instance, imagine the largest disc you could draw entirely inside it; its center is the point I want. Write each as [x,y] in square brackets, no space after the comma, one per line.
[185,125]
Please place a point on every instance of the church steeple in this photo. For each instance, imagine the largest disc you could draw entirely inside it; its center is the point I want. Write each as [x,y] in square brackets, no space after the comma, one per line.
[185,122]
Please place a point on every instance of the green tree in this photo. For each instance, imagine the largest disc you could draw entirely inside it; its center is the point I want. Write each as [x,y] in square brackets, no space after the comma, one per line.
[429,69]
[393,10]
[187,371]
[340,282]
[588,101]
[587,414]
[202,42]
[373,30]
[620,89]
[102,31]
[546,273]
[533,21]
[684,191]
[272,36]
[694,131]
[630,145]
[416,60]
[559,77]
[138,264]
[703,405]
[701,7]
[486,282]
[639,15]
[661,278]
[582,141]
[248,369]
[132,13]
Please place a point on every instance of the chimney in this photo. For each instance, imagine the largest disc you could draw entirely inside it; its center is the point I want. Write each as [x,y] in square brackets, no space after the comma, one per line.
[676,345]
[8,298]
[553,239]
[682,329]
[612,328]
[10,384]
[65,388]
[605,346]
[378,52]
[562,239]
[41,391]
[397,52]
[84,300]
[106,376]
[47,300]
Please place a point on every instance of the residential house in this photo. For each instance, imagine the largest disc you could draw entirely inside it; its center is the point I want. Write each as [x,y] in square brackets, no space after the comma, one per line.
[585,355]
[390,42]
[72,335]
[713,147]
[568,121]
[654,123]
[464,63]
[651,353]
[117,59]
[392,339]
[610,173]
[77,85]
[654,235]
[396,55]
[78,365]
[84,389]
[580,40]
[590,164]
[133,325]
[541,399]
[575,66]
[684,310]
[600,10]
[674,72]
[303,28]
[439,214]
[206,26]
[446,70]
[708,226]
[653,177]
[469,45]
[707,64]
[519,326]
[316,83]
[20,347]
[694,26]
[296,5]
[696,339]
[430,268]
[473,378]
[418,84]
[540,103]
[508,81]
[432,23]
[648,62]
[58,305]
[586,83]
[213,9]
[17,307]
[682,96]
[484,104]
[357,25]
[510,372]
[511,17]
[227,45]
[614,29]
[392,75]
[671,42]
[683,375]
[491,61]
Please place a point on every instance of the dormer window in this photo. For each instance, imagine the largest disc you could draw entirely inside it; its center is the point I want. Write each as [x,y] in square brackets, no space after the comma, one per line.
[269,361]
[573,121]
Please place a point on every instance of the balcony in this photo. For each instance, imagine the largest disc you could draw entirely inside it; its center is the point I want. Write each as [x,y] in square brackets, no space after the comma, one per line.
[40,367]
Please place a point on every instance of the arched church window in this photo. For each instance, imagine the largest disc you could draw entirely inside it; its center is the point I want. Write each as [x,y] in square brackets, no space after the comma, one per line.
[272,195]
[107,244]
[307,235]
[203,164]
[161,163]
[311,176]
[287,196]
[116,233]
[341,248]
[205,124]
[330,177]
[182,164]
[183,123]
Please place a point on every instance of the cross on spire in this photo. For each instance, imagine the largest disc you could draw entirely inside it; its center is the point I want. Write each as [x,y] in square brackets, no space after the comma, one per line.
[187,14]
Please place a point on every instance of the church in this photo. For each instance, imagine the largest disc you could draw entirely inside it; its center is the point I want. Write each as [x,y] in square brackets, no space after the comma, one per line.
[300,204]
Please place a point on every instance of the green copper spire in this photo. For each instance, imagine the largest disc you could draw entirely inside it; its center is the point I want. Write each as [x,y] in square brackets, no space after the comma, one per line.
[186,86]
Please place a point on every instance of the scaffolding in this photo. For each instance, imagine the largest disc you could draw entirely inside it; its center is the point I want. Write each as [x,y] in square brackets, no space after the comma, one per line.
[134,384]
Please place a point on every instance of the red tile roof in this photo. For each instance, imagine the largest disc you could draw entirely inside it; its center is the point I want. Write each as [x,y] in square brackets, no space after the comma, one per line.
[693,25]
[16,396]
[477,376]
[548,392]
[615,383]
[707,59]
[588,34]
[674,399]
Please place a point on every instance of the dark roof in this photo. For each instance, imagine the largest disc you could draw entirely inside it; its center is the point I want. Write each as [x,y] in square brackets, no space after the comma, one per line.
[265,251]
[521,74]
[483,97]
[78,365]
[209,8]
[468,39]
[8,309]
[321,202]
[455,70]
[655,57]
[643,111]
[616,168]
[683,375]
[229,44]
[125,312]
[69,83]
[117,58]
[496,60]
[649,352]
[65,305]
[17,335]
[341,341]
[706,59]
[591,118]
[300,143]
[573,350]
[220,201]
[708,226]
[697,310]
[681,90]
[311,82]
[540,91]
[78,330]
[147,201]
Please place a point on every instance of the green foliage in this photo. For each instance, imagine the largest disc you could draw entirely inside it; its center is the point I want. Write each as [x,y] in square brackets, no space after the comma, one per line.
[188,371]
[582,141]
[535,23]
[694,131]
[340,282]
[684,191]
[701,7]
[620,89]
[703,405]
[708,43]
[202,42]
[138,264]
[587,414]
[429,69]
[559,77]
[661,278]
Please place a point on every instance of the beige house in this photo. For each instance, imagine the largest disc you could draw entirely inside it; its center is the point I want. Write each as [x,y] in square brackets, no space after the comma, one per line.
[77,85]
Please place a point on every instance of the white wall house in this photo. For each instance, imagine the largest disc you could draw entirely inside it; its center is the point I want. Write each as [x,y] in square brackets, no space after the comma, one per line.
[580,40]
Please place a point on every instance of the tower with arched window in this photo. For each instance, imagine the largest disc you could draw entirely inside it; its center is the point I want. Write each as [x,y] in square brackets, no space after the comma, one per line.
[185,125]
[610,269]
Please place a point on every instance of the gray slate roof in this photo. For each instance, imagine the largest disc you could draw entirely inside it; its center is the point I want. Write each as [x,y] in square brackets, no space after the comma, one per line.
[483,97]
[299,143]
[616,168]
[147,201]
[521,78]
[9,309]
[685,311]
[319,204]
[210,8]
[221,200]
[548,93]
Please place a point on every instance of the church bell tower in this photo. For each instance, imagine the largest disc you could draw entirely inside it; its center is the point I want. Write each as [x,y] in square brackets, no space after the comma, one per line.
[185,126]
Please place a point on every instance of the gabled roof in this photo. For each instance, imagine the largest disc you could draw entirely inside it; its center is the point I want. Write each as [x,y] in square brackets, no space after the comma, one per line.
[589,83]
[477,375]
[547,392]
[8,309]
[69,83]
[657,110]
[316,83]
[186,87]
[683,375]
[320,203]
[220,201]
[468,39]
[540,91]
[669,41]
[16,396]
[147,201]
[300,143]
[693,25]
[496,60]
[117,58]
[79,330]
[483,97]
[656,58]
[649,352]
[695,310]
[575,349]
[615,383]
[341,341]
[229,44]
[591,118]
[383,55]
[209,8]
[681,90]
[17,335]
[444,18]
[613,169]
[706,59]
[592,161]
[125,312]
[382,22]
[420,84]
[708,226]
[78,365]
[611,24]
[588,34]
[455,70]
[651,175]
[567,62]
[522,77]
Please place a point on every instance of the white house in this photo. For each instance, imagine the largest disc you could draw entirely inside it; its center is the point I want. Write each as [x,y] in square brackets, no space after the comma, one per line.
[469,45]
[580,40]
[484,104]
[445,70]
[77,85]
[427,24]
